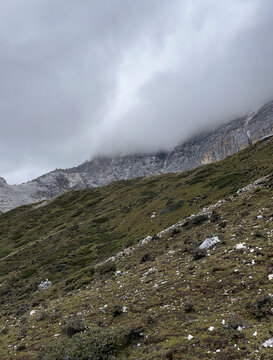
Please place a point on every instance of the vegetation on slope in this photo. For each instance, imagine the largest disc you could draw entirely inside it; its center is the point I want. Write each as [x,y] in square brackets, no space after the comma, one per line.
[169,289]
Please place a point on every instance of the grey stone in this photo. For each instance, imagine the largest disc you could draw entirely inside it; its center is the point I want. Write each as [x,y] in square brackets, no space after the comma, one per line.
[44,285]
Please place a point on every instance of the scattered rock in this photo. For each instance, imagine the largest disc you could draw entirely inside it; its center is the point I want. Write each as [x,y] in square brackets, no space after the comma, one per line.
[44,285]
[209,242]
[268,343]
[240,246]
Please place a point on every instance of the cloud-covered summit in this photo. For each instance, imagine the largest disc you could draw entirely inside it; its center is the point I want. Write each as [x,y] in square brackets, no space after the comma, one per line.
[79,78]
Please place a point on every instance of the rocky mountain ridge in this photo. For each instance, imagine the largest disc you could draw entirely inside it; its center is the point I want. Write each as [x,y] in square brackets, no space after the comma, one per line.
[209,147]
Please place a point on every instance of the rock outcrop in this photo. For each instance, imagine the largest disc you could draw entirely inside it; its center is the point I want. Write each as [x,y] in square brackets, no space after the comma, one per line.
[209,147]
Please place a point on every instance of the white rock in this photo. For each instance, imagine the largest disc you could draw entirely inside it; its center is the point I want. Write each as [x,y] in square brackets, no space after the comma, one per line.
[44,285]
[211,328]
[239,328]
[240,246]
[190,337]
[255,333]
[223,322]
[260,217]
[209,242]
[32,312]
[270,277]
[268,343]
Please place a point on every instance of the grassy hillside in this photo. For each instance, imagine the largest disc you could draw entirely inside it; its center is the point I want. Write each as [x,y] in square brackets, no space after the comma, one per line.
[169,289]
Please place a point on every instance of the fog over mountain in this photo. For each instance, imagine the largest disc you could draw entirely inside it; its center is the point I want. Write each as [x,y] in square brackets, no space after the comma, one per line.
[82,78]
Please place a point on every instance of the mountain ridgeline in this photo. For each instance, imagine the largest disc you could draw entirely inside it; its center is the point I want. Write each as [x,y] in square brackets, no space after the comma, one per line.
[206,148]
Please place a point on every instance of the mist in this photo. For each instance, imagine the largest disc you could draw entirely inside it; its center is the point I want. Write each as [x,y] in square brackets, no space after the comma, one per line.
[80,79]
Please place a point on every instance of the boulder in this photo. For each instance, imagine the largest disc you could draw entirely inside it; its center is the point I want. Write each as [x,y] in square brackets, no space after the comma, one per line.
[209,242]
[44,285]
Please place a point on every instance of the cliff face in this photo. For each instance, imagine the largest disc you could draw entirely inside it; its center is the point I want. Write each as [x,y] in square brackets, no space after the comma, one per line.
[212,146]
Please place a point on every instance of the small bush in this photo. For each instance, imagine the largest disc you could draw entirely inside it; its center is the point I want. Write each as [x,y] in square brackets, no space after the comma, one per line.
[101,220]
[198,220]
[214,216]
[73,326]
[4,330]
[42,316]
[95,344]
[29,272]
[117,310]
[198,254]
[234,321]
[147,257]
[108,267]
[188,307]
[261,307]
[175,232]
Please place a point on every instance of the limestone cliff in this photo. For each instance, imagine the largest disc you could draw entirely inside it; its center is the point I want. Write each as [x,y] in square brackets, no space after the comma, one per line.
[212,146]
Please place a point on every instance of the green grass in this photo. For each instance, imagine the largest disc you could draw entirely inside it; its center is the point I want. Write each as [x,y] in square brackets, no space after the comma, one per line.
[64,247]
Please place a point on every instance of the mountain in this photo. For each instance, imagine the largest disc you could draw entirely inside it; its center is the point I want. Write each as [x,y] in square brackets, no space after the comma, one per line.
[126,274]
[209,147]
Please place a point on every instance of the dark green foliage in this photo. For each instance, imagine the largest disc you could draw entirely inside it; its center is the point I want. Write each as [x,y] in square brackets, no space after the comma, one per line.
[198,254]
[233,180]
[234,320]
[42,315]
[197,220]
[214,216]
[147,257]
[188,307]
[108,267]
[95,344]
[172,207]
[29,272]
[101,220]
[73,326]
[261,307]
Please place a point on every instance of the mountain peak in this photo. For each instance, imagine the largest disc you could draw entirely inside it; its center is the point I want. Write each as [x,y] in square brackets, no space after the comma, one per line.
[2,181]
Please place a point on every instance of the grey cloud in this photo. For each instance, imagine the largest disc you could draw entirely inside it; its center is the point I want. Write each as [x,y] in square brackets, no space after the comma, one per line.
[62,61]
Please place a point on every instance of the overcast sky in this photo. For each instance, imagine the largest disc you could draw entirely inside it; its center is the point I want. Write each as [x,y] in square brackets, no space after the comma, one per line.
[86,77]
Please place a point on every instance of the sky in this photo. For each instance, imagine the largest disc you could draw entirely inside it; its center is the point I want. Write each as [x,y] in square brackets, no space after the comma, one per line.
[84,78]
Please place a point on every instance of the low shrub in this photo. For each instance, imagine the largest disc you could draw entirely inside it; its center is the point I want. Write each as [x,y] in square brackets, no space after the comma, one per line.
[73,326]
[260,307]
[147,257]
[198,254]
[108,267]
[197,220]
[188,307]
[95,344]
